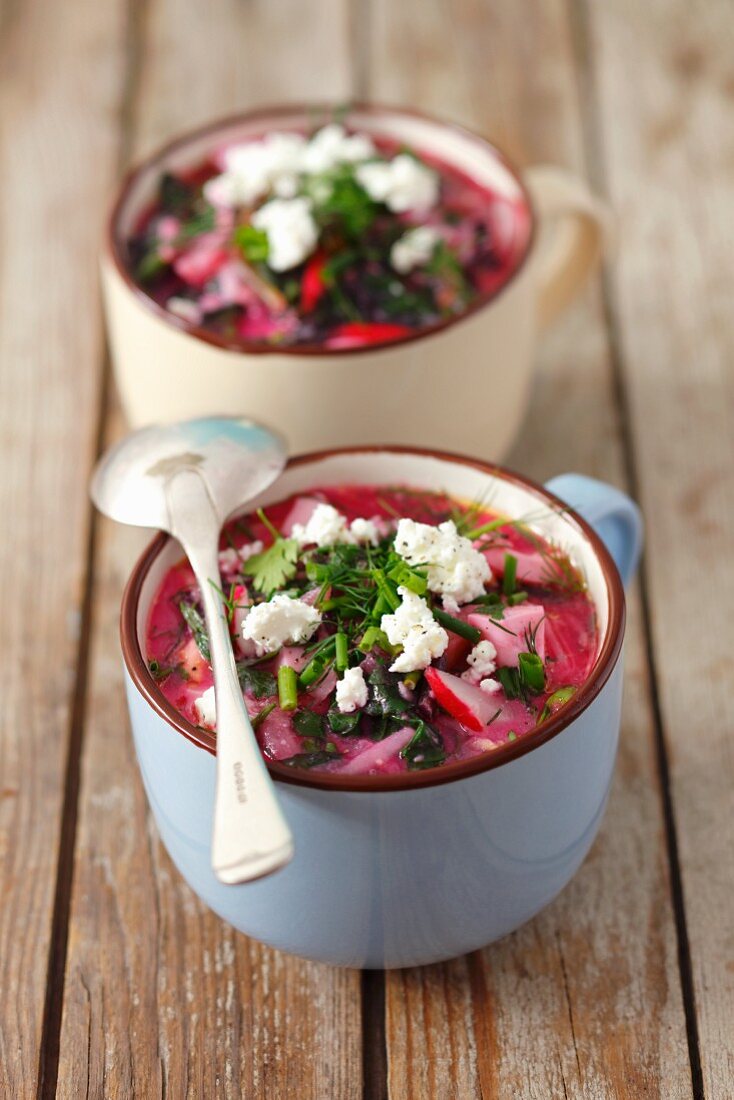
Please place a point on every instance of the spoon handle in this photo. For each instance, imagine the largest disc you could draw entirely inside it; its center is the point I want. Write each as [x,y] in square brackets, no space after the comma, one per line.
[251,837]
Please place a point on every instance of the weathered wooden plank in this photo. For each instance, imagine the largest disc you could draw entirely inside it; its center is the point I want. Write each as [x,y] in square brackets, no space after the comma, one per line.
[61,72]
[669,146]
[161,997]
[585,1001]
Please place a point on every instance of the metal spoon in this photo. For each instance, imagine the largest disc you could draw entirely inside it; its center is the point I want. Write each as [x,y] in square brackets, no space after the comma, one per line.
[186,479]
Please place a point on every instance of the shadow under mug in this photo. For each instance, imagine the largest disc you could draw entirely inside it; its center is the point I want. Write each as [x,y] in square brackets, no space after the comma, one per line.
[413,868]
[434,385]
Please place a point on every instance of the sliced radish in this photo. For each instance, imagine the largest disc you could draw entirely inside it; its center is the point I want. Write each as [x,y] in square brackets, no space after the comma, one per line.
[377,755]
[531,567]
[301,512]
[509,635]
[465,702]
[293,656]
[202,261]
[277,736]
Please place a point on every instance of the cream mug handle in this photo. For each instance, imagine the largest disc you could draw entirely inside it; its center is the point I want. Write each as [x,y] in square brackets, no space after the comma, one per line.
[575,229]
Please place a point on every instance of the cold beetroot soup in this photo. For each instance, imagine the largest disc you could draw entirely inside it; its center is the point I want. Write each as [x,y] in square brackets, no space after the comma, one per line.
[331,239]
[381,630]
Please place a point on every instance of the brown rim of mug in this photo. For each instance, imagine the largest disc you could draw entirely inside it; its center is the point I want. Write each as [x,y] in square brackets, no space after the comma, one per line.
[445,773]
[115,242]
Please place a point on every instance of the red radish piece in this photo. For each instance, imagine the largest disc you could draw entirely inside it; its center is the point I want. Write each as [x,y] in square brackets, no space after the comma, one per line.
[509,634]
[301,513]
[532,568]
[374,758]
[277,736]
[293,656]
[323,689]
[312,282]
[456,651]
[192,663]
[355,334]
[467,703]
[202,261]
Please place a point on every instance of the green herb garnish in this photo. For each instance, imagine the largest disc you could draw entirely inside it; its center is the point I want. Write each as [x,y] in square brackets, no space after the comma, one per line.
[194,621]
[273,567]
[256,681]
[252,243]
[555,701]
[457,626]
[287,688]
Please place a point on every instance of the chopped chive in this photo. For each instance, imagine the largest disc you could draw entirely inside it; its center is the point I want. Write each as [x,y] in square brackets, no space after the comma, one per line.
[342,652]
[516,598]
[512,736]
[386,589]
[532,671]
[373,636]
[318,664]
[556,700]
[510,574]
[262,715]
[409,578]
[457,626]
[411,679]
[287,688]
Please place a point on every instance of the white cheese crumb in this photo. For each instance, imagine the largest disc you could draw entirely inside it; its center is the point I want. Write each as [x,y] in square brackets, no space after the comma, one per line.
[205,708]
[292,232]
[481,662]
[351,691]
[281,619]
[413,627]
[490,686]
[326,526]
[255,166]
[402,183]
[454,568]
[414,248]
[365,530]
[331,146]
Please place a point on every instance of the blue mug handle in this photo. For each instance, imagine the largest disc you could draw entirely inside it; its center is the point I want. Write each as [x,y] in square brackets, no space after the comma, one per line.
[613,515]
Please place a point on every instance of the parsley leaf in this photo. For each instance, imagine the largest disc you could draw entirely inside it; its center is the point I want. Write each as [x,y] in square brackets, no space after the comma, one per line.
[271,568]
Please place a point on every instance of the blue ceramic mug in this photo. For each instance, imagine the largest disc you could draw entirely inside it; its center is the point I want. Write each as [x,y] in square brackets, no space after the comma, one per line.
[407,869]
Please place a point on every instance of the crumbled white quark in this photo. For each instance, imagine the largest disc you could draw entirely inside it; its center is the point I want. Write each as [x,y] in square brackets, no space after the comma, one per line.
[413,627]
[490,686]
[292,232]
[454,568]
[481,661]
[231,558]
[254,167]
[365,530]
[402,183]
[205,708]
[327,526]
[351,691]
[282,619]
[277,162]
[332,146]
[414,248]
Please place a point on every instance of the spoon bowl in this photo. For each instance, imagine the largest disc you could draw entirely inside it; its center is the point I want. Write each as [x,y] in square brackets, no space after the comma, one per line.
[186,479]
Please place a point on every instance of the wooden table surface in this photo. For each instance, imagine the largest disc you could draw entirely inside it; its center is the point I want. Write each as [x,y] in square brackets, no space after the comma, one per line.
[115,981]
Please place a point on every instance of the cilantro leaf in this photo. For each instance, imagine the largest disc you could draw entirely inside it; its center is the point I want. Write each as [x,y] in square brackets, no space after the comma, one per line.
[271,568]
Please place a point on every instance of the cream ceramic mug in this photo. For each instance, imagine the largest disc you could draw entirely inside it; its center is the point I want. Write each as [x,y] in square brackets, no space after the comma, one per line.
[444,384]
